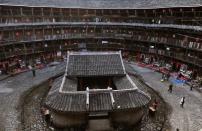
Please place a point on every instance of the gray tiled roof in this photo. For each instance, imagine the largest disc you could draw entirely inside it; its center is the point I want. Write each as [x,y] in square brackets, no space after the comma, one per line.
[70,85]
[122,83]
[64,97]
[95,64]
[55,86]
[67,102]
[100,101]
[130,99]
[122,4]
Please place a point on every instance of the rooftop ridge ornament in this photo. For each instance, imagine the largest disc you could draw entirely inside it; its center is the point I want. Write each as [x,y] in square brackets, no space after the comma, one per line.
[111,95]
[134,85]
[122,62]
[87,98]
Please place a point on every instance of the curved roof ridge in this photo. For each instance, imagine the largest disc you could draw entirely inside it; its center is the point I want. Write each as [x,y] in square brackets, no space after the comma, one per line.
[104,4]
[93,52]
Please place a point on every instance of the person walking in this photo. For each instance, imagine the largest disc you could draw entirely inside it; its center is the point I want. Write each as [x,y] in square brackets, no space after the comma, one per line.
[170,88]
[168,76]
[182,101]
[191,87]
[163,77]
[34,71]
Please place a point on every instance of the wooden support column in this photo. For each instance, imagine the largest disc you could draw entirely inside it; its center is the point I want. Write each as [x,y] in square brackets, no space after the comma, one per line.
[171,11]
[13,35]
[34,34]
[1,13]
[23,35]
[43,33]
[95,13]
[94,28]
[12,19]
[86,30]
[42,14]
[87,12]
[181,11]
[127,12]
[70,15]
[21,13]
[25,53]
[51,15]
[194,12]
[78,12]
[32,15]
[145,15]
[154,11]
[51,12]
[135,13]
[52,31]
[61,15]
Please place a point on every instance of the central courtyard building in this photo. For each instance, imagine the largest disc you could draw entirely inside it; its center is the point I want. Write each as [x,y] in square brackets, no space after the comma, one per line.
[95,85]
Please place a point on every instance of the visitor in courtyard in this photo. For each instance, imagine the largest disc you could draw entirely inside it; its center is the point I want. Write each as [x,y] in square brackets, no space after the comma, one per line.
[155,104]
[191,87]
[170,88]
[163,77]
[34,71]
[182,101]
[47,116]
[168,76]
